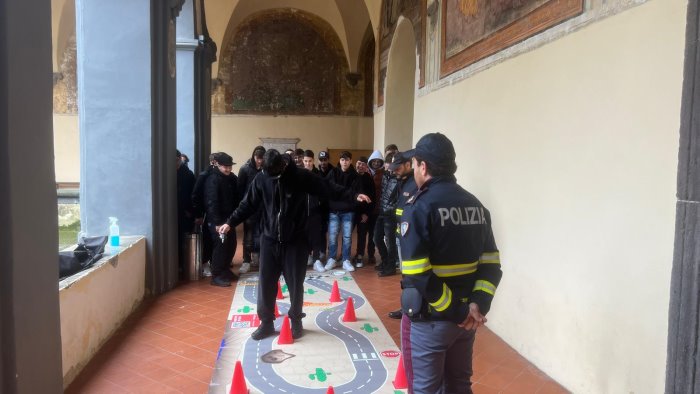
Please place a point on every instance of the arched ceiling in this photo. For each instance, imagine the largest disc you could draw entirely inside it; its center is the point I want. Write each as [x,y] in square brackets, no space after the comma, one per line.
[62,28]
[349,18]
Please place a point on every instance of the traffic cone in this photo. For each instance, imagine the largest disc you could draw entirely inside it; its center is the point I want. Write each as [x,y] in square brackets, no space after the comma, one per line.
[238,385]
[335,293]
[285,337]
[400,378]
[349,311]
[330,390]
[277,311]
[279,291]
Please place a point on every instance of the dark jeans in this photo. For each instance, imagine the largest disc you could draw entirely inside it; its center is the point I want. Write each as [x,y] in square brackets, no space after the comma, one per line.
[251,238]
[288,259]
[386,228]
[222,253]
[317,235]
[365,235]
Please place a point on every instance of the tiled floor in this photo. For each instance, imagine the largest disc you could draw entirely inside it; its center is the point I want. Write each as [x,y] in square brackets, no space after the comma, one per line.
[170,345]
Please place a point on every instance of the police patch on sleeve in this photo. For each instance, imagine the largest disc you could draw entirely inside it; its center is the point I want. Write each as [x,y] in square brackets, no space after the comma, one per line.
[404,228]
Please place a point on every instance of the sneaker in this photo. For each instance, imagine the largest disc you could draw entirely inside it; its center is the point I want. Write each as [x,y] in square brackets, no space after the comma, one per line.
[318,266]
[384,273]
[297,328]
[395,314]
[347,266]
[309,260]
[221,282]
[358,261]
[264,331]
[245,267]
[330,264]
[206,271]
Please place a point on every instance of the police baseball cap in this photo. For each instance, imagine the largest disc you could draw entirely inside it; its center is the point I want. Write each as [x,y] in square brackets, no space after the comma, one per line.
[399,158]
[323,155]
[434,148]
[224,159]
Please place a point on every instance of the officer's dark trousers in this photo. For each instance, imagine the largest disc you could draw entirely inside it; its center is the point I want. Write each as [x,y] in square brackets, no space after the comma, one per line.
[437,357]
[222,253]
[288,259]
[386,229]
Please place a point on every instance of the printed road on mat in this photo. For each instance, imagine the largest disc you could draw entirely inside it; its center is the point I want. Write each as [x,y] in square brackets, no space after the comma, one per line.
[353,357]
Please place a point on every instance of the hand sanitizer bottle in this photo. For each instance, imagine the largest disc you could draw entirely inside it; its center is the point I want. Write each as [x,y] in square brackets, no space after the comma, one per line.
[113,232]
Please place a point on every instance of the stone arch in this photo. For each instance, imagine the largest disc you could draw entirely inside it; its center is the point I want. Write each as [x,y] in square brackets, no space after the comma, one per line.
[400,86]
[285,61]
[366,68]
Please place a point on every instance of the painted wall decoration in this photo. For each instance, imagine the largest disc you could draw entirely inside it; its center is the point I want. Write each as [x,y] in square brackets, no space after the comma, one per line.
[475,29]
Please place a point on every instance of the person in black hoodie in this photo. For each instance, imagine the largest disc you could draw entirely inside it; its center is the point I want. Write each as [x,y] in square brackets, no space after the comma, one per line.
[281,190]
[363,214]
[342,212]
[221,193]
[251,227]
[185,214]
[324,166]
[200,211]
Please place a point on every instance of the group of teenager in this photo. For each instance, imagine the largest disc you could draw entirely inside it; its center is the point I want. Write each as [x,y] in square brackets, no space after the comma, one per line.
[450,263]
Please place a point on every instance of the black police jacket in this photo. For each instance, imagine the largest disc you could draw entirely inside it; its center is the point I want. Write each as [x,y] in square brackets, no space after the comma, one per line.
[449,253]
[284,202]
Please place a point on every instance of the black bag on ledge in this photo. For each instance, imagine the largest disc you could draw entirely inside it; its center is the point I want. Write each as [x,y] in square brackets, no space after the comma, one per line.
[87,253]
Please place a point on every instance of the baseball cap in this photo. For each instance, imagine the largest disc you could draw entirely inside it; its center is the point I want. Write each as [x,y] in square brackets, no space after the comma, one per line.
[345,155]
[435,148]
[224,159]
[322,155]
[399,158]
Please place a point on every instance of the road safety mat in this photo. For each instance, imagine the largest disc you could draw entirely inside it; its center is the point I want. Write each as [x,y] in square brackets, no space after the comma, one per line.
[353,357]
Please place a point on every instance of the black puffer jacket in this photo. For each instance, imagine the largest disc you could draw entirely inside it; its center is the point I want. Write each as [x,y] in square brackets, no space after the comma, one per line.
[198,199]
[284,202]
[346,179]
[387,202]
[221,194]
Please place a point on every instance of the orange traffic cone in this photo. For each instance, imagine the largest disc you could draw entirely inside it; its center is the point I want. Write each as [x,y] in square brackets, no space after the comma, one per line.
[285,337]
[335,293]
[349,311]
[279,291]
[277,311]
[238,385]
[400,378]
[330,390]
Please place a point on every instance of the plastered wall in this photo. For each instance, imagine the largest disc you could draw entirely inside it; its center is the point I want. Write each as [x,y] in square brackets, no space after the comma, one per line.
[574,148]
[66,140]
[237,135]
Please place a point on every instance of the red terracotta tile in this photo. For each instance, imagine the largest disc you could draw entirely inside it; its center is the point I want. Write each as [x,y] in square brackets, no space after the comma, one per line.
[498,378]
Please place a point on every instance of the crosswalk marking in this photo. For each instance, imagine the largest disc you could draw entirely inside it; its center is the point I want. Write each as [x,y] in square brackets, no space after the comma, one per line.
[364,356]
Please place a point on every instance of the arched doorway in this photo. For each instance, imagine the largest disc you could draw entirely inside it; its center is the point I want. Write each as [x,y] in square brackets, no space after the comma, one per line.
[400,87]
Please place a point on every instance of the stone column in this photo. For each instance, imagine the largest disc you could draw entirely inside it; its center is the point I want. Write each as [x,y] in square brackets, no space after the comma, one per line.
[126,80]
[30,332]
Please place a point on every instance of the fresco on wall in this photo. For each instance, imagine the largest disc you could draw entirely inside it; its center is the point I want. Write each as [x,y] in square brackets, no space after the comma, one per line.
[281,64]
[475,29]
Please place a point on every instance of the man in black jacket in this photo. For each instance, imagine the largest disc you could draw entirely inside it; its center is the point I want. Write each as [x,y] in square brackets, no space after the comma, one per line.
[281,190]
[385,228]
[251,227]
[221,193]
[364,225]
[185,214]
[200,210]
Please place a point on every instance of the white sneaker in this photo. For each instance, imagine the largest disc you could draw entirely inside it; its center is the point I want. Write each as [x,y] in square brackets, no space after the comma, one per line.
[318,266]
[206,270]
[330,264]
[347,266]
[309,261]
[245,267]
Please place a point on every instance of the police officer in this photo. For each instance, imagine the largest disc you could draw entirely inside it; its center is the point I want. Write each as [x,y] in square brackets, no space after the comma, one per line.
[451,269]
[281,191]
